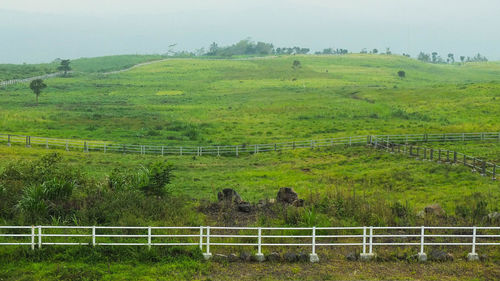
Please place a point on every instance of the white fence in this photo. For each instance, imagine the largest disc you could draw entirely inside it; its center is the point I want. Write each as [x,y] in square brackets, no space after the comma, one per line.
[26,80]
[208,237]
[235,150]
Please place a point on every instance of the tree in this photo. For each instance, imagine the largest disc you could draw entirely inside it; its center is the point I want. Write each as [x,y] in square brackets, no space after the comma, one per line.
[401,74]
[424,57]
[375,51]
[37,86]
[462,59]
[64,66]
[434,57]
[451,58]
[296,64]
[388,51]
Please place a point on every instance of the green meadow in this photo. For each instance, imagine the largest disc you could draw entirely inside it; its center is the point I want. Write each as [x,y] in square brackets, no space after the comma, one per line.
[200,101]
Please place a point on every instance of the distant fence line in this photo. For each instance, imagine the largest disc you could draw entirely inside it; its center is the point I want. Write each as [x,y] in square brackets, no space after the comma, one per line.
[482,166]
[26,80]
[236,150]
[205,237]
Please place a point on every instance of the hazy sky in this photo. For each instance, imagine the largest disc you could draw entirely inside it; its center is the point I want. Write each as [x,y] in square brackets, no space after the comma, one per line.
[42,30]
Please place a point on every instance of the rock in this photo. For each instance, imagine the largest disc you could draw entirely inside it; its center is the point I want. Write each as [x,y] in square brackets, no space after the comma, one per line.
[232,258]
[244,207]
[245,256]
[286,195]
[438,255]
[298,203]
[303,257]
[352,256]
[229,195]
[273,257]
[290,257]
[434,209]
[219,257]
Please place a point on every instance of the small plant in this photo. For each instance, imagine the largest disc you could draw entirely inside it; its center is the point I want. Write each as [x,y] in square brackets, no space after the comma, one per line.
[296,64]
[401,74]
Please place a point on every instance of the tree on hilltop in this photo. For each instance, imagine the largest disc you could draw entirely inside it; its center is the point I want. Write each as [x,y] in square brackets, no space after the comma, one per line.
[64,66]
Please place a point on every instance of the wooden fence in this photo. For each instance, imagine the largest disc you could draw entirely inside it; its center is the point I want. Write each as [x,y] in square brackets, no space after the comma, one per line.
[236,150]
[482,166]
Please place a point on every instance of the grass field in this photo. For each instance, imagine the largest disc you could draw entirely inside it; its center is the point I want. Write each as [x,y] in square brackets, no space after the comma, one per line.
[218,101]
[193,101]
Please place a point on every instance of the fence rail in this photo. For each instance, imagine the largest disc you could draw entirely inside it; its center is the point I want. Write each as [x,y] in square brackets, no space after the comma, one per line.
[29,79]
[236,150]
[482,166]
[207,237]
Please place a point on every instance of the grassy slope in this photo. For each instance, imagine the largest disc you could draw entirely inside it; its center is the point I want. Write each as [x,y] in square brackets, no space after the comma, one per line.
[254,101]
[376,175]
[90,65]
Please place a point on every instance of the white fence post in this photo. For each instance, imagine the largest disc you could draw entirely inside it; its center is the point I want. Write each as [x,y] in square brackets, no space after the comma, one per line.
[313,257]
[370,255]
[93,236]
[371,240]
[149,237]
[364,239]
[259,257]
[39,237]
[422,256]
[473,256]
[208,255]
[32,237]
[201,237]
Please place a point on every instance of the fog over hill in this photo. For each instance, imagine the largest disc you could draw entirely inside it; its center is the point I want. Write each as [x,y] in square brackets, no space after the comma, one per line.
[39,31]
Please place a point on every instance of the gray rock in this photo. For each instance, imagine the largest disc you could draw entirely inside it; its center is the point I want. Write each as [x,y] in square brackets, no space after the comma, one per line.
[303,257]
[232,258]
[219,257]
[229,195]
[434,209]
[287,195]
[352,256]
[439,255]
[290,257]
[273,257]
[244,207]
[245,256]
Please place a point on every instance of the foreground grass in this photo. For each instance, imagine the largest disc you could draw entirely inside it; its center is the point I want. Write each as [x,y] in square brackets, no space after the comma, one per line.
[197,270]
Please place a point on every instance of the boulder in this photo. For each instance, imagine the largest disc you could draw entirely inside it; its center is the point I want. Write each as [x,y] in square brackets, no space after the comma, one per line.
[245,256]
[303,257]
[273,257]
[439,255]
[352,256]
[434,209]
[219,257]
[290,257]
[244,207]
[287,195]
[232,258]
[229,195]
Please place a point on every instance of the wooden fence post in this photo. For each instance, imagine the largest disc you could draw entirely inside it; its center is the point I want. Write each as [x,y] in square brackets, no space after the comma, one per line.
[8,140]
[454,157]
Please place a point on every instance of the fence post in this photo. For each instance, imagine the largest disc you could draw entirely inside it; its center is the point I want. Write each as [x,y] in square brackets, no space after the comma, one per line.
[259,256]
[201,238]
[93,236]
[483,168]
[454,157]
[422,256]
[350,141]
[293,145]
[313,257]
[494,172]
[67,146]
[104,148]
[149,237]
[236,151]
[8,140]
[207,255]
[370,255]
[28,141]
[275,147]
[162,150]
[39,237]
[256,148]
[218,150]
[473,256]
[85,146]
[32,237]
[432,154]
[180,151]
[47,143]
